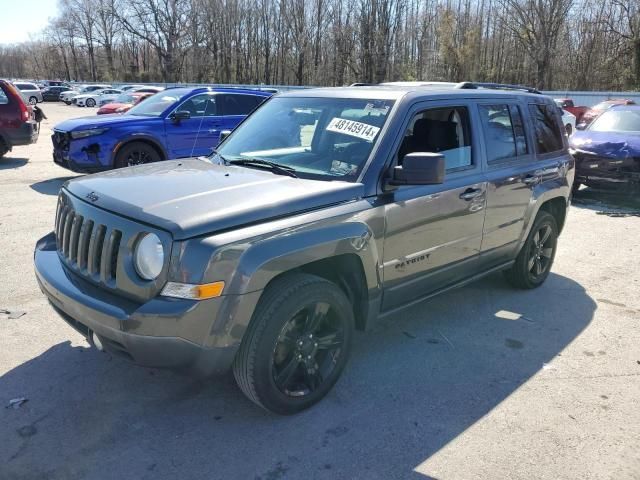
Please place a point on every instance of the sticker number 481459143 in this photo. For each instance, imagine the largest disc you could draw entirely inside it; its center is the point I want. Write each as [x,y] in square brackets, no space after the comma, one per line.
[353,128]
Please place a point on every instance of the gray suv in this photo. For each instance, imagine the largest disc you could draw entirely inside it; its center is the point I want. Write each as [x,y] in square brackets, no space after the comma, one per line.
[323,211]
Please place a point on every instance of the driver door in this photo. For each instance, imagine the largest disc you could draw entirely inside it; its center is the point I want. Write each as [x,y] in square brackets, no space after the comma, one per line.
[434,232]
[198,134]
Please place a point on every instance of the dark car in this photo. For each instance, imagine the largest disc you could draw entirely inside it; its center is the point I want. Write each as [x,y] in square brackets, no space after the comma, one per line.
[17,123]
[263,259]
[591,114]
[607,152]
[52,94]
[176,123]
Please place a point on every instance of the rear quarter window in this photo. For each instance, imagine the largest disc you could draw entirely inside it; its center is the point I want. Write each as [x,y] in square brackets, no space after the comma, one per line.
[547,128]
[4,100]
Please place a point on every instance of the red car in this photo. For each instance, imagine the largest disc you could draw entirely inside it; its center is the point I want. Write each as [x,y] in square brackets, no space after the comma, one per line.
[124,102]
[568,105]
[18,125]
[590,115]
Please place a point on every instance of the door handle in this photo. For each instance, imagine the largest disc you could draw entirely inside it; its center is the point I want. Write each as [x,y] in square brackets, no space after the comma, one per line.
[530,179]
[470,194]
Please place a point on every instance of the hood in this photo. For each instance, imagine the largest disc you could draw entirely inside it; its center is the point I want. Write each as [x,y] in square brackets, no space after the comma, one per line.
[86,123]
[608,144]
[192,197]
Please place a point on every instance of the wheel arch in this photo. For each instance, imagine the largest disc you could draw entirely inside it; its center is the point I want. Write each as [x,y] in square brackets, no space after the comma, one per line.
[149,140]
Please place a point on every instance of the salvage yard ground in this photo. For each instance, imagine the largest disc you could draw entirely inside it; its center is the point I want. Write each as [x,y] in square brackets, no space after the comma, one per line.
[484,382]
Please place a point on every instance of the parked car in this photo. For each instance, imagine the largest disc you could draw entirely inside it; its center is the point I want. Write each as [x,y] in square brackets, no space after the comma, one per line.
[126,88]
[52,94]
[569,121]
[591,114]
[263,259]
[29,91]
[92,99]
[55,83]
[17,122]
[149,89]
[607,152]
[67,97]
[123,103]
[179,122]
[568,105]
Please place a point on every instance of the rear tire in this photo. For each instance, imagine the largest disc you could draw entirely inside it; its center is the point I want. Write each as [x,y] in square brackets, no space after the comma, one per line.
[297,344]
[136,153]
[4,149]
[534,262]
[33,101]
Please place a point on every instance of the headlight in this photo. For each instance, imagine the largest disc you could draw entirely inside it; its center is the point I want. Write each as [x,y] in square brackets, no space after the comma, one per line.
[148,257]
[88,133]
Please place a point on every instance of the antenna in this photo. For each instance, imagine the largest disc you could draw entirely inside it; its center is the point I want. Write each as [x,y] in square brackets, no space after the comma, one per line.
[195,142]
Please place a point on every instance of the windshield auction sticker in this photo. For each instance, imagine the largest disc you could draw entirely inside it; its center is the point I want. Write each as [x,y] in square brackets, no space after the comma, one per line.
[353,128]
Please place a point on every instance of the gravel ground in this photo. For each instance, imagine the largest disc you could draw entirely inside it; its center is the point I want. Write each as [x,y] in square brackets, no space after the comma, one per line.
[453,389]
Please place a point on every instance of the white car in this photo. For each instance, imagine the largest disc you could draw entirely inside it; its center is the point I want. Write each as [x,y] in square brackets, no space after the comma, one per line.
[67,97]
[569,122]
[29,91]
[93,98]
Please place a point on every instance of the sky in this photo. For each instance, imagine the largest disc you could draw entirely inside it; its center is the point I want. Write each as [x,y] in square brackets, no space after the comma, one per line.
[19,18]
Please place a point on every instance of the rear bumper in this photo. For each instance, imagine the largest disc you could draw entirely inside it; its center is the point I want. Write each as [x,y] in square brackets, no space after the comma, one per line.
[124,327]
[26,134]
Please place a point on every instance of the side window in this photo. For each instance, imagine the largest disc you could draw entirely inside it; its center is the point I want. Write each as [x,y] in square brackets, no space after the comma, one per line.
[199,105]
[4,100]
[240,104]
[440,130]
[503,131]
[548,134]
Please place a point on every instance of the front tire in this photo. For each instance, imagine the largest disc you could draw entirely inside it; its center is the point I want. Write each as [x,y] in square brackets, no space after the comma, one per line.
[297,344]
[136,153]
[533,263]
[90,102]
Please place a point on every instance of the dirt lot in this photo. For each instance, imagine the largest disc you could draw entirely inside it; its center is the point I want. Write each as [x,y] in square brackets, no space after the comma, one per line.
[454,389]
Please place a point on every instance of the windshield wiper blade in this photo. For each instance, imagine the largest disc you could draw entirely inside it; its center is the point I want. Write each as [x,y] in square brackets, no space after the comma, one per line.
[275,167]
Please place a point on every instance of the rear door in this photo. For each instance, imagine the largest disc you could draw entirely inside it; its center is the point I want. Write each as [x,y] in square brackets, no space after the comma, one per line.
[198,134]
[434,232]
[235,107]
[512,153]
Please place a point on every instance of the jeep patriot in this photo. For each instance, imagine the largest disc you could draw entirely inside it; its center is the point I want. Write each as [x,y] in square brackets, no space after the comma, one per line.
[324,210]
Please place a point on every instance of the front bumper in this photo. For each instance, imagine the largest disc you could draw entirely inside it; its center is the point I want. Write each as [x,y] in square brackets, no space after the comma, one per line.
[83,155]
[151,334]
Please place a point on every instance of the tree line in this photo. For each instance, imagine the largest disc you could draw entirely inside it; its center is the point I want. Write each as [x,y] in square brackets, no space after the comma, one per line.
[551,44]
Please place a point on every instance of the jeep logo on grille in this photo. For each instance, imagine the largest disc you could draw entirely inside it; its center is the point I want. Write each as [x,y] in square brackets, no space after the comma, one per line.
[92,197]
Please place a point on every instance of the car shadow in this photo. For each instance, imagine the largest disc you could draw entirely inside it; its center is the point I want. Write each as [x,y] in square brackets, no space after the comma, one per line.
[619,202]
[414,383]
[7,163]
[51,186]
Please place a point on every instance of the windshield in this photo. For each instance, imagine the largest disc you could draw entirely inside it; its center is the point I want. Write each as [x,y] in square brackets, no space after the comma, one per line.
[617,121]
[155,105]
[602,106]
[323,138]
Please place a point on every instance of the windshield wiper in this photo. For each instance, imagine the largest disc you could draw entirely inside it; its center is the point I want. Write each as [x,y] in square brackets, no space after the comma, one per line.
[259,162]
[215,153]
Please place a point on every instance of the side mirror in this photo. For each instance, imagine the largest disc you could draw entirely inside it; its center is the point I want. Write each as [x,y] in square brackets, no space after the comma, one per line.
[180,115]
[419,169]
[224,134]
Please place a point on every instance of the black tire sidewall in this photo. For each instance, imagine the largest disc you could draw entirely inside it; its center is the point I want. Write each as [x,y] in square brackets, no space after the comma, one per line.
[543,219]
[90,103]
[125,151]
[272,321]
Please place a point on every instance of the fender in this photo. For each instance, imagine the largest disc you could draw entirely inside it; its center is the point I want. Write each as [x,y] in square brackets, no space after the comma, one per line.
[263,261]
[132,137]
[538,201]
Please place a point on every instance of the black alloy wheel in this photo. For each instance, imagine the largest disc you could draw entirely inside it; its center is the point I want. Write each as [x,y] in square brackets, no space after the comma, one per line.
[136,153]
[296,345]
[307,350]
[533,263]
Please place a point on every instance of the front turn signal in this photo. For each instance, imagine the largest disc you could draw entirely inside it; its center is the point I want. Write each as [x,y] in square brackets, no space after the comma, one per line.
[191,291]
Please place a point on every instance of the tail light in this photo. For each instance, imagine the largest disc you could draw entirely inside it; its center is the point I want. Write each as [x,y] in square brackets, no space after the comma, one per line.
[15,95]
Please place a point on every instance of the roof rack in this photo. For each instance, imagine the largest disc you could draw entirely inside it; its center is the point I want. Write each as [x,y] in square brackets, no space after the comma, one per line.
[496,86]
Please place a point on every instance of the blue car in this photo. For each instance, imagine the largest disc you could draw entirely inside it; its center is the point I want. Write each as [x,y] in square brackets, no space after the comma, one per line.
[607,152]
[175,123]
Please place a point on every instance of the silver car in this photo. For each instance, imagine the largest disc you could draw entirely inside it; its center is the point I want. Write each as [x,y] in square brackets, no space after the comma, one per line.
[30,92]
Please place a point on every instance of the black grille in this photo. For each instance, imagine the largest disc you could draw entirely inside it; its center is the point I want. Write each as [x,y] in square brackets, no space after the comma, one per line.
[88,247]
[60,140]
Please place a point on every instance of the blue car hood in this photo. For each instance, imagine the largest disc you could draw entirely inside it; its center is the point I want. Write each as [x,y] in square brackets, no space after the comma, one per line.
[607,144]
[99,121]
